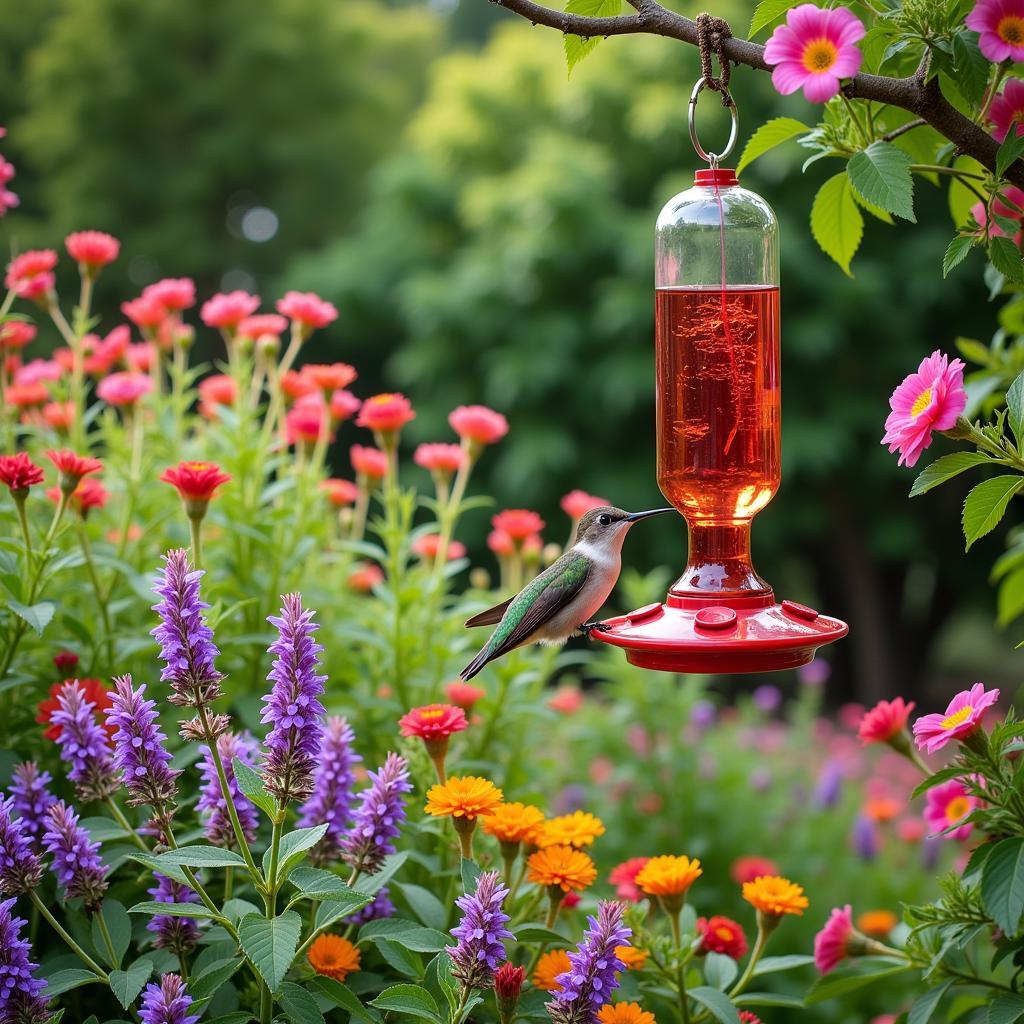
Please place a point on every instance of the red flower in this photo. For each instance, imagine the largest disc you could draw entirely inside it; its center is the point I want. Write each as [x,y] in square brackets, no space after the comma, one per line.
[365,577]
[141,356]
[339,492]
[24,396]
[570,900]
[71,467]
[19,472]
[307,310]
[30,275]
[508,983]
[307,422]
[501,543]
[15,334]
[444,459]
[479,424]
[746,869]
[344,405]
[145,311]
[385,413]
[65,662]
[59,415]
[108,352]
[623,877]
[428,545]
[89,494]
[433,722]
[215,390]
[263,325]
[196,483]
[369,463]
[722,935]
[92,249]
[95,692]
[173,293]
[464,695]
[576,504]
[746,1017]
[518,523]
[226,310]
[886,720]
[294,385]
[329,376]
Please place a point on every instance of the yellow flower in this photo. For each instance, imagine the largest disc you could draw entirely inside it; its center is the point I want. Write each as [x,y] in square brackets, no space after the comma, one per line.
[775,896]
[561,866]
[548,968]
[624,1013]
[577,829]
[633,959]
[515,823]
[877,923]
[470,797]
[668,876]
[333,956]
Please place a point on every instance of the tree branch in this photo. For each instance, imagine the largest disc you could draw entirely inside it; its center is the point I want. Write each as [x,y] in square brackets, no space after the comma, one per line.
[913,94]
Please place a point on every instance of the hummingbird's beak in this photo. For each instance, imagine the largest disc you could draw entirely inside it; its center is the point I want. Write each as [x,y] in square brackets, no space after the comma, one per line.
[635,517]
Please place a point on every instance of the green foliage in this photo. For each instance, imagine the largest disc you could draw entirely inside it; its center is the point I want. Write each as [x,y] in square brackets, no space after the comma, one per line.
[836,222]
[577,47]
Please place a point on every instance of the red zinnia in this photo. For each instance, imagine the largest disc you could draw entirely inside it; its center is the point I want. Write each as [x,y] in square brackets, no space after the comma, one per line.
[59,415]
[623,877]
[344,405]
[30,275]
[173,293]
[92,249]
[365,577]
[95,692]
[369,463]
[226,310]
[24,396]
[433,721]
[263,325]
[339,492]
[722,935]
[196,482]
[746,869]
[16,334]
[385,413]
[464,695]
[307,422]
[508,982]
[20,473]
[89,494]
[71,467]
[65,661]
[329,376]
[440,458]
[145,311]
[518,523]
[294,385]
[478,424]
[501,543]
[307,310]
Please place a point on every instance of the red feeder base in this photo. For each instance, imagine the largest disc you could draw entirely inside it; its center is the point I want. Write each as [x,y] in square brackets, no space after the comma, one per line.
[721,634]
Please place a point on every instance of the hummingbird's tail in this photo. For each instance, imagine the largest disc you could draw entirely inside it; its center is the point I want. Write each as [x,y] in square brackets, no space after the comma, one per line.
[477,663]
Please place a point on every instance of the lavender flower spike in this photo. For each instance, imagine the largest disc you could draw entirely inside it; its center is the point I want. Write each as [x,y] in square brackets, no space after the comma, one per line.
[293,709]
[212,807]
[84,744]
[377,820]
[378,910]
[20,870]
[32,799]
[21,1000]
[178,934]
[331,802]
[186,641]
[591,979]
[76,862]
[480,949]
[167,1003]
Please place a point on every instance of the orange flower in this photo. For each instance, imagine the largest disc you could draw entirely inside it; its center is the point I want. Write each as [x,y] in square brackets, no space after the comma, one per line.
[548,968]
[668,876]
[775,896]
[633,959]
[877,923]
[624,1013]
[333,956]
[469,797]
[576,829]
[561,867]
[883,808]
[515,823]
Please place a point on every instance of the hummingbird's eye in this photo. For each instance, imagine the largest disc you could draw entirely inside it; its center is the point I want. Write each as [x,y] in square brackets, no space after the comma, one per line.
[604,519]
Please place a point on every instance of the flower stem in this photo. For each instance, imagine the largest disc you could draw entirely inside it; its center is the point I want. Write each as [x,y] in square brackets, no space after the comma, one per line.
[74,946]
[107,940]
[756,954]
[119,817]
[26,535]
[195,530]
[83,539]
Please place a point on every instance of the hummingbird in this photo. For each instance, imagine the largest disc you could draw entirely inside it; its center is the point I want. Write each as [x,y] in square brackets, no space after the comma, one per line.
[562,599]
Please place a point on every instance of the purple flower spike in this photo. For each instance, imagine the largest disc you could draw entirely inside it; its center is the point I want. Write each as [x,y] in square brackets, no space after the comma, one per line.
[293,710]
[377,820]
[32,800]
[480,949]
[167,1003]
[84,744]
[380,908]
[178,934]
[21,1000]
[20,869]
[186,641]
[331,801]
[592,978]
[76,861]
[212,807]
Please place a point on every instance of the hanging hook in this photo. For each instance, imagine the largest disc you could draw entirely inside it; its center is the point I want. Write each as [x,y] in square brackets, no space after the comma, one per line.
[712,158]
[712,33]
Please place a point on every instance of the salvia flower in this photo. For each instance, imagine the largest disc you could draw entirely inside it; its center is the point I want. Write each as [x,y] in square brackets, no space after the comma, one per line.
[178,934]
[962,718]
[21,992]
[331,800]
[20,870]
[84,744]
[378,818]
[212,807]
[76,859]
[167,1003]
[32,799]
[593,974]
[293,710]
[186,641]
[481,933]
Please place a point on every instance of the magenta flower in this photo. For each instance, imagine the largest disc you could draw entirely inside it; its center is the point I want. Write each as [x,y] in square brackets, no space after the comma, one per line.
[961,718]
[831,944]
[1008,110]
[946,806]
[813,50]
[1000,25]
[930,399]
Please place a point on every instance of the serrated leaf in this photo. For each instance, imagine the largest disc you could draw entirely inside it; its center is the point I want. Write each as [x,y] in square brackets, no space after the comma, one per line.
[1010,600]
[317,884]
[1002,884]
[344,997]
[881,174]
[577,47]
[371,884]
[126,985]
[270,944]
[408,999]
[766,12]
[944,469]
[771,134]
[201,856]
[926,1004]
[718,1004]
[250,782]
[299,1005]
[986,505]
[209,981]
[836,223]
[194,910]
[1005,257]
[64,981]
[848,977]
[292,848]
[1010,151]
[38,615]
[1005,1009]
[956,252]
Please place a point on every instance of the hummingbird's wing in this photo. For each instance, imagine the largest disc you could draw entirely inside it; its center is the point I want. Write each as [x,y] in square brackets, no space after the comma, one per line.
[491,616]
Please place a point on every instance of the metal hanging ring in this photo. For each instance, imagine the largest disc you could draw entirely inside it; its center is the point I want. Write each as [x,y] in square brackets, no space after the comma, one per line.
[712,158]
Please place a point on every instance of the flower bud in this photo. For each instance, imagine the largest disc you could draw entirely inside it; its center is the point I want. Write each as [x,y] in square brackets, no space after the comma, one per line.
[508,983]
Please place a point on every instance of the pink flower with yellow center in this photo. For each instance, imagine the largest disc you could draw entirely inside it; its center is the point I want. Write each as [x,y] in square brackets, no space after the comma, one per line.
[831,944]
[1007,110]
[813,50]
[1000,26]
[930,399]
[961,718]
[947,805]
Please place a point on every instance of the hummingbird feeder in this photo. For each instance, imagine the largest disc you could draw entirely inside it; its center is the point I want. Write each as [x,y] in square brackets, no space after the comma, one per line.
[718,424]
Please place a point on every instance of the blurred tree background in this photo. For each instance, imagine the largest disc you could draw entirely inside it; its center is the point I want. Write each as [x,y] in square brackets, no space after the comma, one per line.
[485,226]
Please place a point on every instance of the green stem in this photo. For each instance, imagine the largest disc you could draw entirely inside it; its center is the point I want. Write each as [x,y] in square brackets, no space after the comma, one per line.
[74,946]
[107,940]
[83,539]
[203,895]
[195,530]
[19,504]
[855,119]
[756,954]
[120,818]
[993,91]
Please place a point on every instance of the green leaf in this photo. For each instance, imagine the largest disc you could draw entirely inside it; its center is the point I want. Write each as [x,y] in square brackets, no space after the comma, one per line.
[836,223]
[1002,884]
[768,999]
[238,1017]
[211,978]
[202,857]
[126,985]
[972,67]
[926,1004]
[119,925]
[1015,407]
[38,615]
[771,134]
[1010,599]
[423,903]
[270,944]
[1005,1009]
[942,775]
[250,782]
[773,964]
[403,960]
[577,47]
[345,998]
[538,933]
[716,1003]
[195,910]
[299,1006]
[153,863]
[849,977]
[881,174]
[766,12]
[292,849]
[371,884]
[719,970]
[64,981]
[325,886]
[956,253]
[408,999]
[1005,257]
[103,830]
[986,505]
[470,875]
[406,934]
[945,469]
[1010,151]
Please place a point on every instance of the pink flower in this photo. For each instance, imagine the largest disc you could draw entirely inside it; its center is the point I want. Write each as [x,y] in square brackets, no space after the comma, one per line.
[339,492]
[428,545]
[566,699]
[384,414]
[344,405]
[444,459]
[1009,205]
[888,718]
[369,463]
[173,293]
[92,249]
[297,385]
[813,50]
[1008,109]
[501,543]
[928,400]
[365,577]
[576,504]
[39,370]
[962,717]
[124,388]
[15,334]
[1000,24]
[8,199]
[830,944]
[141,356]
[226,310]
[307,310]
[30,275]
[518,523]
[947,805]
[623,877]
[307,422]
[464,695]
[478,424]
[263,324]
[145,311]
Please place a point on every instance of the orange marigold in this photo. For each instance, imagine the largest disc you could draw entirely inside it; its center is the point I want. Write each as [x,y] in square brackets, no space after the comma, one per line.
[624,1013]
[468,797]
[561,867]
[515,823]
[333,956]
[632,958]
[877,923]
[577,829]
[548,968]
[775,896]
[668,876]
